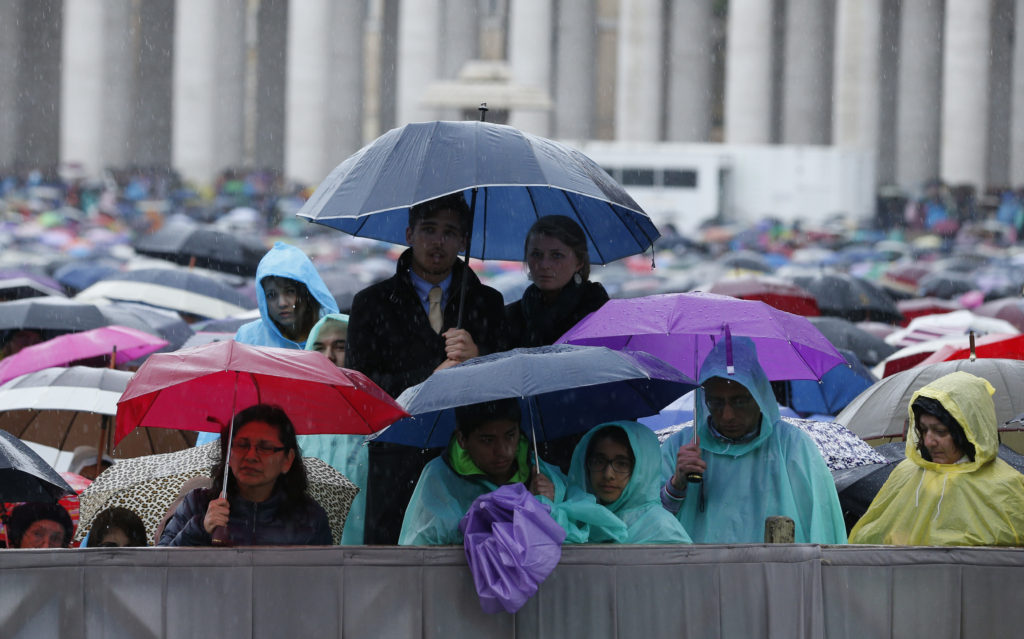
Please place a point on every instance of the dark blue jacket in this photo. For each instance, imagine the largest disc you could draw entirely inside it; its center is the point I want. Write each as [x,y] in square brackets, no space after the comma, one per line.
[250,523]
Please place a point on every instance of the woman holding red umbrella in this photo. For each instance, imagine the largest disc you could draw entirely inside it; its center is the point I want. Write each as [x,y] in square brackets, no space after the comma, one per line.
[267,503]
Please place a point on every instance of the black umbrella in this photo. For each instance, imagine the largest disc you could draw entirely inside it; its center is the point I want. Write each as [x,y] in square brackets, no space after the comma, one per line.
[850,297]
[205,247]
[946,284]
[747,260]
[50,314]
[846,335]
[24,476]
[858,486]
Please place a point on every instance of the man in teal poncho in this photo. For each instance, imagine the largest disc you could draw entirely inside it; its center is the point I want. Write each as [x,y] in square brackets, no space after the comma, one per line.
[754,464]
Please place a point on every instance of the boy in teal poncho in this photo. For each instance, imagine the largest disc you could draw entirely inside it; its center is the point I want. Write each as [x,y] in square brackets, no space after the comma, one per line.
[619,464]
[488,450]
[754,464]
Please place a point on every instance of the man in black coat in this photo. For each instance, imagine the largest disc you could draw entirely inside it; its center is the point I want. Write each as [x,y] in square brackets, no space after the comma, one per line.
[392,341]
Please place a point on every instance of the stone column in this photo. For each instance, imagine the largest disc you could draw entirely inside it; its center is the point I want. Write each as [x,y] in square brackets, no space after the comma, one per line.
[1017,117]
[855,121]
[807,74]
[965,92]
[576,25]
[920,93]
[325,85]
[209,87]
[688,100]
[529,56]
[639,89]
[748,72]
[9,42]
[1000,103]
[37,86]
[420,35]
[271,91]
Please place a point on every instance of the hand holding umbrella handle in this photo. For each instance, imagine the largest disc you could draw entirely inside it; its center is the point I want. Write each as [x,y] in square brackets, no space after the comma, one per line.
[695,477]
[220,536]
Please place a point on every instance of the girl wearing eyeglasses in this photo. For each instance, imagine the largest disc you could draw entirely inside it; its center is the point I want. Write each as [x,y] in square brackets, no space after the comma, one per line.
[267,503]
[619,464]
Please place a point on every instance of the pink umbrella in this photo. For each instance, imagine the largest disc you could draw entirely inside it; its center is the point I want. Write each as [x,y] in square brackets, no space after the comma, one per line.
[63,350]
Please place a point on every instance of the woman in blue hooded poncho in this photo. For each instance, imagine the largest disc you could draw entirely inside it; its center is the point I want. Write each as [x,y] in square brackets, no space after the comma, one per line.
[292,297]
[755,465]
[346,453]
[619,464]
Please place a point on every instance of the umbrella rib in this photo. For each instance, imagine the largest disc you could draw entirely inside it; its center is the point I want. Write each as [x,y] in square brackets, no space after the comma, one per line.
[67,430]
[28,424]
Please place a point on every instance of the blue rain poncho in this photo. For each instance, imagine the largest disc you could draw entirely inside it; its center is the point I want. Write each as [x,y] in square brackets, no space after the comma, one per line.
[778,472]
[972,503]
[639,505]
[348,454]
[284,260]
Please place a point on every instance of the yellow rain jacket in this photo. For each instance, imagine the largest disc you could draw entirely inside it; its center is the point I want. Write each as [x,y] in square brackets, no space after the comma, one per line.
[976,503]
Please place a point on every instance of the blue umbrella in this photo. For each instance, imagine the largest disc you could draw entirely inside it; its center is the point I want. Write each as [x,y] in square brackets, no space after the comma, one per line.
[564,390]
[515,177]
[836,389]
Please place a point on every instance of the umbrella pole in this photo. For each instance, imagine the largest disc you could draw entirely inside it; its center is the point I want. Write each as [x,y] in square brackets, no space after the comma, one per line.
[465,276]
[104,424]
[220,536]
[533,433]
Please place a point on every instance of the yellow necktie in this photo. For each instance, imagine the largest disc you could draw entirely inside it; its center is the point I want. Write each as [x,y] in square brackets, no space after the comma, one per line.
[434,312]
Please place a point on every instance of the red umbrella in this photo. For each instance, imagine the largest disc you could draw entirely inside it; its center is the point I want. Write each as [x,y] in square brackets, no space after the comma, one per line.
[988,346]
[920,306]
[773,291]
[904,277]
[201,388]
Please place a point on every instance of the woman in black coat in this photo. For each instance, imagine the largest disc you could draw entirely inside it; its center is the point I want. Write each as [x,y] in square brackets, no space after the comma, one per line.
[562,293]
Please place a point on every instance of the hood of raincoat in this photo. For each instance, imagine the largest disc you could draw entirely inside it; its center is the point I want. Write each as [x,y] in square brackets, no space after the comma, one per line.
[314,332]
[968,399]
[284,260]
[746,371]
[644,484]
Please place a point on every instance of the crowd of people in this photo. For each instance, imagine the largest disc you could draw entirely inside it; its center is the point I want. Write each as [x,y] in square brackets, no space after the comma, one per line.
[715,482]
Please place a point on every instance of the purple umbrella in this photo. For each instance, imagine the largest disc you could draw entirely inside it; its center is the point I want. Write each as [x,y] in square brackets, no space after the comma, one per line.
[512,545]
[682,328]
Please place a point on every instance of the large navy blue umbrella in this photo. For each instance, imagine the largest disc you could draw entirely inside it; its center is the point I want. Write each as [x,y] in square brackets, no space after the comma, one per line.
[833,392]
[518,178]
[24,476]
[564,390]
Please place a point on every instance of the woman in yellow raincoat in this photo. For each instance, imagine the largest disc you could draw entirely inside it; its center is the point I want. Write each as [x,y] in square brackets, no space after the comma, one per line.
[951,490]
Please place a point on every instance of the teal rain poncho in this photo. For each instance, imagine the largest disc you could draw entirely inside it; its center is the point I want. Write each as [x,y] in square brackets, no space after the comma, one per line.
[639,506]
[346,453]
[778,472]
[973,503]
[443,496]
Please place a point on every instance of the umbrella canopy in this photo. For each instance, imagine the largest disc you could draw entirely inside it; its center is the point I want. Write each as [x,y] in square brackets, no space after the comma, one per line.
[839,447]
[946,284]
[1009,309]
[204,246]
[881,410]
[998,346]
[850,297]
[65,408]
[65,349]
[149,485]
[836,389]
[682,328]
[958,323]
[773,291]
[80,275]
[50,314]
[24,476]
[518,178]
[16,287]
[566,390]
[165,324]
[175,289]
[902,278]
[746,261]
[201,388]
[844,334]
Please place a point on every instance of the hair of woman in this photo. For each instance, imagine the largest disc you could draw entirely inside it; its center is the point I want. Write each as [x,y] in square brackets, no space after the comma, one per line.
[121,518]
[615,434]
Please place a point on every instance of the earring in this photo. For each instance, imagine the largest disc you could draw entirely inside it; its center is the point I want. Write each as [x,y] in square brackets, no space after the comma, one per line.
[577,278]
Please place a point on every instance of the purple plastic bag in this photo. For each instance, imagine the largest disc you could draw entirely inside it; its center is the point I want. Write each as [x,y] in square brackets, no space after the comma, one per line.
[512,544]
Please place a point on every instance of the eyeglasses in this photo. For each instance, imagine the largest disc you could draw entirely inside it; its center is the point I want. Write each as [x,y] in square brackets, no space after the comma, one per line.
[263,449]
[717,404]
[620,465]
